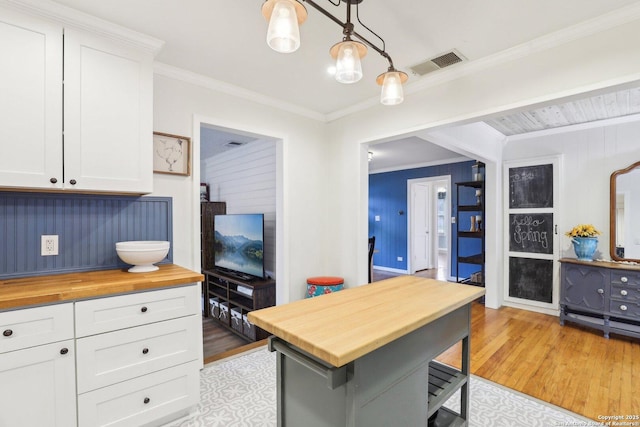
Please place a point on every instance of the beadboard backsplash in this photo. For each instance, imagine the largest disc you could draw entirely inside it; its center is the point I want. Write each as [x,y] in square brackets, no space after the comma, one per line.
[88,227]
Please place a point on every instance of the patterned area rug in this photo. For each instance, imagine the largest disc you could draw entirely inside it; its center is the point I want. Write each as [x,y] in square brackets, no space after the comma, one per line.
[241,392]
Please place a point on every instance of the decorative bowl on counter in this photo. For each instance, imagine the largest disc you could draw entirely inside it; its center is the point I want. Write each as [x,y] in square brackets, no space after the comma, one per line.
[142,254]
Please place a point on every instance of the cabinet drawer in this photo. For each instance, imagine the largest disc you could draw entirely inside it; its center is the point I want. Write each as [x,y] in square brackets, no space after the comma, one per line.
[118,356]
[124,311]
[625,277]
[626,309]
[625,292]
[29,327]
[157,397]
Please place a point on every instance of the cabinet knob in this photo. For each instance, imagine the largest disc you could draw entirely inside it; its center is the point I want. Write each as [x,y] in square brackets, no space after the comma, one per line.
[624,279]
[601,291]
[144,309]
[53,180]
[7,332]
[73,182]
[64,351]
[146,400]
[623,307]
[145,350]
[623,293]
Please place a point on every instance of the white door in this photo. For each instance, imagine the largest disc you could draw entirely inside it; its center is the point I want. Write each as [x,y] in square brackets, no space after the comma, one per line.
[421,218]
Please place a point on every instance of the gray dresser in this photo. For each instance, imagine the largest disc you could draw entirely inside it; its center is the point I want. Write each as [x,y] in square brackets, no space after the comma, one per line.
[603,295]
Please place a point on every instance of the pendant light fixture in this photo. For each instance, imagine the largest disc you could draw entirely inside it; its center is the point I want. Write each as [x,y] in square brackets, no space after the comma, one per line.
[391,82]
[283,35]
[285,18]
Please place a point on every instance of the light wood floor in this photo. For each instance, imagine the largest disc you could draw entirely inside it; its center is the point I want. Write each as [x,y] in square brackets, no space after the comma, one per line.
[572,367]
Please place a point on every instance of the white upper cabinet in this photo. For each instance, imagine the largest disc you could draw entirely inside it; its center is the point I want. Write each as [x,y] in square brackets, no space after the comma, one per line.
[92,134]
[108,123]
[31,102]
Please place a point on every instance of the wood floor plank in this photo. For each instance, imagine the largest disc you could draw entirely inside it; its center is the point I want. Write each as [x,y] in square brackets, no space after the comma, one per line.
[573,367]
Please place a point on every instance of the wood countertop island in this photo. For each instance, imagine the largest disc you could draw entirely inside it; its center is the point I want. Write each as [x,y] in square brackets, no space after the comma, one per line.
[364,357]
[39,290]
[342,326]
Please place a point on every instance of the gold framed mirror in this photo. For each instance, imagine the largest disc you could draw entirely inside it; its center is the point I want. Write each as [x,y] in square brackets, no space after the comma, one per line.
[624,207]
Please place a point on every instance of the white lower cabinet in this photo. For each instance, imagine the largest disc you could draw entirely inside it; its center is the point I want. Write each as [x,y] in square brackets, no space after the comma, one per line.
[143,375]
[150,400]
[37,367]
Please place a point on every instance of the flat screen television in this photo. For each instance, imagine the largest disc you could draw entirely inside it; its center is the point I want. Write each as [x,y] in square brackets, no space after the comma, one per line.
[239,245]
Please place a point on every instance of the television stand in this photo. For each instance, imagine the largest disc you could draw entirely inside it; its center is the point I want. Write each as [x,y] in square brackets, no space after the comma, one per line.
[233,297]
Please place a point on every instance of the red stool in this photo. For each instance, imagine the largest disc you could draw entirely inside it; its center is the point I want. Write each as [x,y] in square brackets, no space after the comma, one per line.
[321,285]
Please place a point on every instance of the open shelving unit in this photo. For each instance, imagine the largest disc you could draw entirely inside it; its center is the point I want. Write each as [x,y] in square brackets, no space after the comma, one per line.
[470,248]
[240,297]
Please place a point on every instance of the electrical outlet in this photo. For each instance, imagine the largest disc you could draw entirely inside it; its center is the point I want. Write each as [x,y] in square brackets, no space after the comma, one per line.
[399,258]
[49,245]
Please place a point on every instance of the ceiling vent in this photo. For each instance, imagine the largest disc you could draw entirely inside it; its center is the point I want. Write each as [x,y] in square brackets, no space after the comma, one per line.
[233,144]
[434,64]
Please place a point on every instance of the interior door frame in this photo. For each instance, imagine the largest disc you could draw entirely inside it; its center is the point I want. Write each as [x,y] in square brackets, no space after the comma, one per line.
[433,204]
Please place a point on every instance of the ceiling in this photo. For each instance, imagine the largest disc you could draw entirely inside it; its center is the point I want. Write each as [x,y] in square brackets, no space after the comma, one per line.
[225,41]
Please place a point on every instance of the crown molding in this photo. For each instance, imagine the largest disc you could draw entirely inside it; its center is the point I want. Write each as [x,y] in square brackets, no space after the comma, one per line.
[72,17]
[181,74]
[460,159]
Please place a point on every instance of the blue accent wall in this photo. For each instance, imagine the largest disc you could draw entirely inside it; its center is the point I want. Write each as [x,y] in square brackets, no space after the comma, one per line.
[88,227]
[388,197]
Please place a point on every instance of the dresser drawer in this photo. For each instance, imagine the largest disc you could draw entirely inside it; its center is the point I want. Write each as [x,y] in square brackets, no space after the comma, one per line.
[156,397]
[626,309]
[625,292]
[29,327]
[117,356]
[124,311]
[625,277]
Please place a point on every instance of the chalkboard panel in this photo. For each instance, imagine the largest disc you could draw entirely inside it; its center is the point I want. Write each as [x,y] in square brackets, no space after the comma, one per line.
[531,232]
[531,279]
[531,187]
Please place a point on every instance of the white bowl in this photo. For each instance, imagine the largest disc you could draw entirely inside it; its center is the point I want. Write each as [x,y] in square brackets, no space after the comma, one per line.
[142,254]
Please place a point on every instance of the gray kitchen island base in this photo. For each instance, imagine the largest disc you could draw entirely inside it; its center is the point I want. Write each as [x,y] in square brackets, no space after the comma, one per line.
[397,384]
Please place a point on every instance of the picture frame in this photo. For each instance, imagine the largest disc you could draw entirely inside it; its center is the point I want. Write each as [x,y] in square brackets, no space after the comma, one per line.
[204,192]
[171,154]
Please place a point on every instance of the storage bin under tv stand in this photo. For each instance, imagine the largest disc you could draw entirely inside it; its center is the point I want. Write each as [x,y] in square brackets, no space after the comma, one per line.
[224,287]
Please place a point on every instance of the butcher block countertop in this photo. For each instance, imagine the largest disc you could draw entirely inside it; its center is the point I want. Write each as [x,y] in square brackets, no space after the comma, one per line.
[340,327]
[28,291]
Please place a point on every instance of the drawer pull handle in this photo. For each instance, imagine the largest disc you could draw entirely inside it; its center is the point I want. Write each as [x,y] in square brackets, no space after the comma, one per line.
[146,400]
[624,279]
[144,309]
[623,307]
[73,182]
[145,350]
[623,293]
[601,291]
[53,180]
[64,351]
[7,333]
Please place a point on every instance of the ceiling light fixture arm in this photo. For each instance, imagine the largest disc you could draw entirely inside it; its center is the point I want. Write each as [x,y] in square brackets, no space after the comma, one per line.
[347,28]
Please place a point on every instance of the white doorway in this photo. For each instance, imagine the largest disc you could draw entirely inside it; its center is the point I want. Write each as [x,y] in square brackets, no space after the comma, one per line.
[429,237]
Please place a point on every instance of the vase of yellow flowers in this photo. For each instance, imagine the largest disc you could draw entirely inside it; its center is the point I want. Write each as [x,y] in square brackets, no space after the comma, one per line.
[585,241]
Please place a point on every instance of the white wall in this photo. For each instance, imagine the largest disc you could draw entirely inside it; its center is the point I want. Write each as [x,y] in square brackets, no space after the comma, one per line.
[590,155]
[301,202]
[245,179]
[591,63]
[323,170]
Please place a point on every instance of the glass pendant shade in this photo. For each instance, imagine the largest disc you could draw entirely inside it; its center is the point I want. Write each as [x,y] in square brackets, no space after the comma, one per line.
[348,66]
[392,92]
[283,34]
